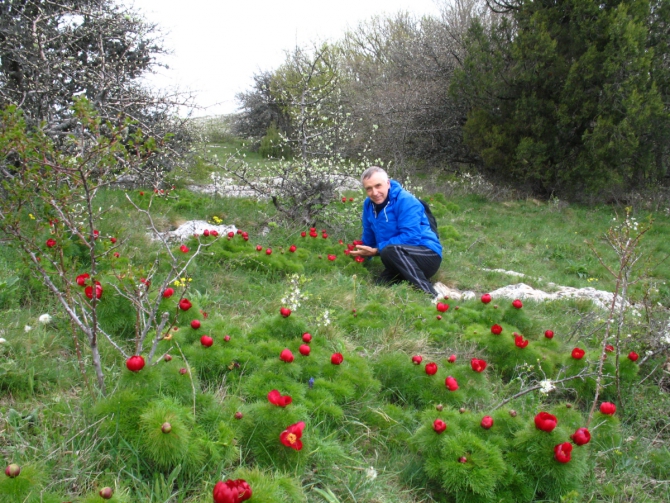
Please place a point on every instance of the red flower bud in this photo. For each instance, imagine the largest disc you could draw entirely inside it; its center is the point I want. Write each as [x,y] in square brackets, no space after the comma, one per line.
[545,422]
[581,437]
[286,356]
[451,383]
[439,426]
[607,408]
[578,353]
[487,422]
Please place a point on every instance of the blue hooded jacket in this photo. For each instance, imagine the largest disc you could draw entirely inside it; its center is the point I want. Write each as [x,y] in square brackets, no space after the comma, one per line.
[402,222]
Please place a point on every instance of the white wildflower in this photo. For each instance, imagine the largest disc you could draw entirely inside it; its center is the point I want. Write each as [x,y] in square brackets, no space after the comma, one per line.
[44,319]
[371,473]
[546,386]
[27,328]
[2,341]
[324,320]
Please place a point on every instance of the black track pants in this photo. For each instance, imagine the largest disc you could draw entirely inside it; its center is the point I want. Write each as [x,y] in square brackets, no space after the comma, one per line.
[411,263]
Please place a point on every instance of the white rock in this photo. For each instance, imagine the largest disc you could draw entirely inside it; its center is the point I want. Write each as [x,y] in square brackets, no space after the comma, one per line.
[188,229]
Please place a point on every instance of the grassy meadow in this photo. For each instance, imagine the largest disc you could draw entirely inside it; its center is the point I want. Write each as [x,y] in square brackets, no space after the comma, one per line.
[369,421]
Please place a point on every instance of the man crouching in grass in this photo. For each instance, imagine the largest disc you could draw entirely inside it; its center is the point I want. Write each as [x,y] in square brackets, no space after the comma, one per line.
[396,228]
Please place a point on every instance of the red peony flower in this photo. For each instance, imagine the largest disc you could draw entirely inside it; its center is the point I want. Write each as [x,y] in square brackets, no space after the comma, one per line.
[545,422]
[417,359]
[578,353]
[442,307]
[169,292]
[549,334]
[451,383]
[51,243]
[81,279]
[562,452]
[286,356]
[303,234]
[304,349]
[324,235]
[276,398]
[292,249]
[184,248]
[307,337]
[486,298]
[195,324]
[135,363]
[332,257]
[609,348]
[633,356]
[431,368]
[231,235]
[451,359]
[88,291]
[113,240]
[487,422]
[285,312]
[496,329]
[291,436]
[116,255]
[608,408]
[581,437]
[359,259]
[214,233]
[259,248]
[336,358]
[268,251]
[96,234]
[232,491]
[478,365]
[517,304]
[344,199]
[357,242]
[520,342]
[185,304]
[439,426]
[206,341]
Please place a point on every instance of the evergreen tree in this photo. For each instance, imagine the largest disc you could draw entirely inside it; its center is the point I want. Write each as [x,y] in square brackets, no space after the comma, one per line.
[569,95]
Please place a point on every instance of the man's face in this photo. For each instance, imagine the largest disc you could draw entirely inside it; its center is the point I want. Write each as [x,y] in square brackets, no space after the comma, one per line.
[377,187]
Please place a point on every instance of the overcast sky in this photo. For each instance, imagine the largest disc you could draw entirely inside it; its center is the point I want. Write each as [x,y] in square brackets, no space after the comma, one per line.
[219,44]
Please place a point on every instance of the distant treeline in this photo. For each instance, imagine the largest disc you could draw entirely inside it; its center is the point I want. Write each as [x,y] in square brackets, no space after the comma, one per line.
[562,97]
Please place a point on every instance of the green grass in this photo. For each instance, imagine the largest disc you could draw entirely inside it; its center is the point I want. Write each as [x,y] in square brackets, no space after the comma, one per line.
[357,438]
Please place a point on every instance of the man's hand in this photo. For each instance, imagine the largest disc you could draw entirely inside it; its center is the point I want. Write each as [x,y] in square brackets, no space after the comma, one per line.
[363,251]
